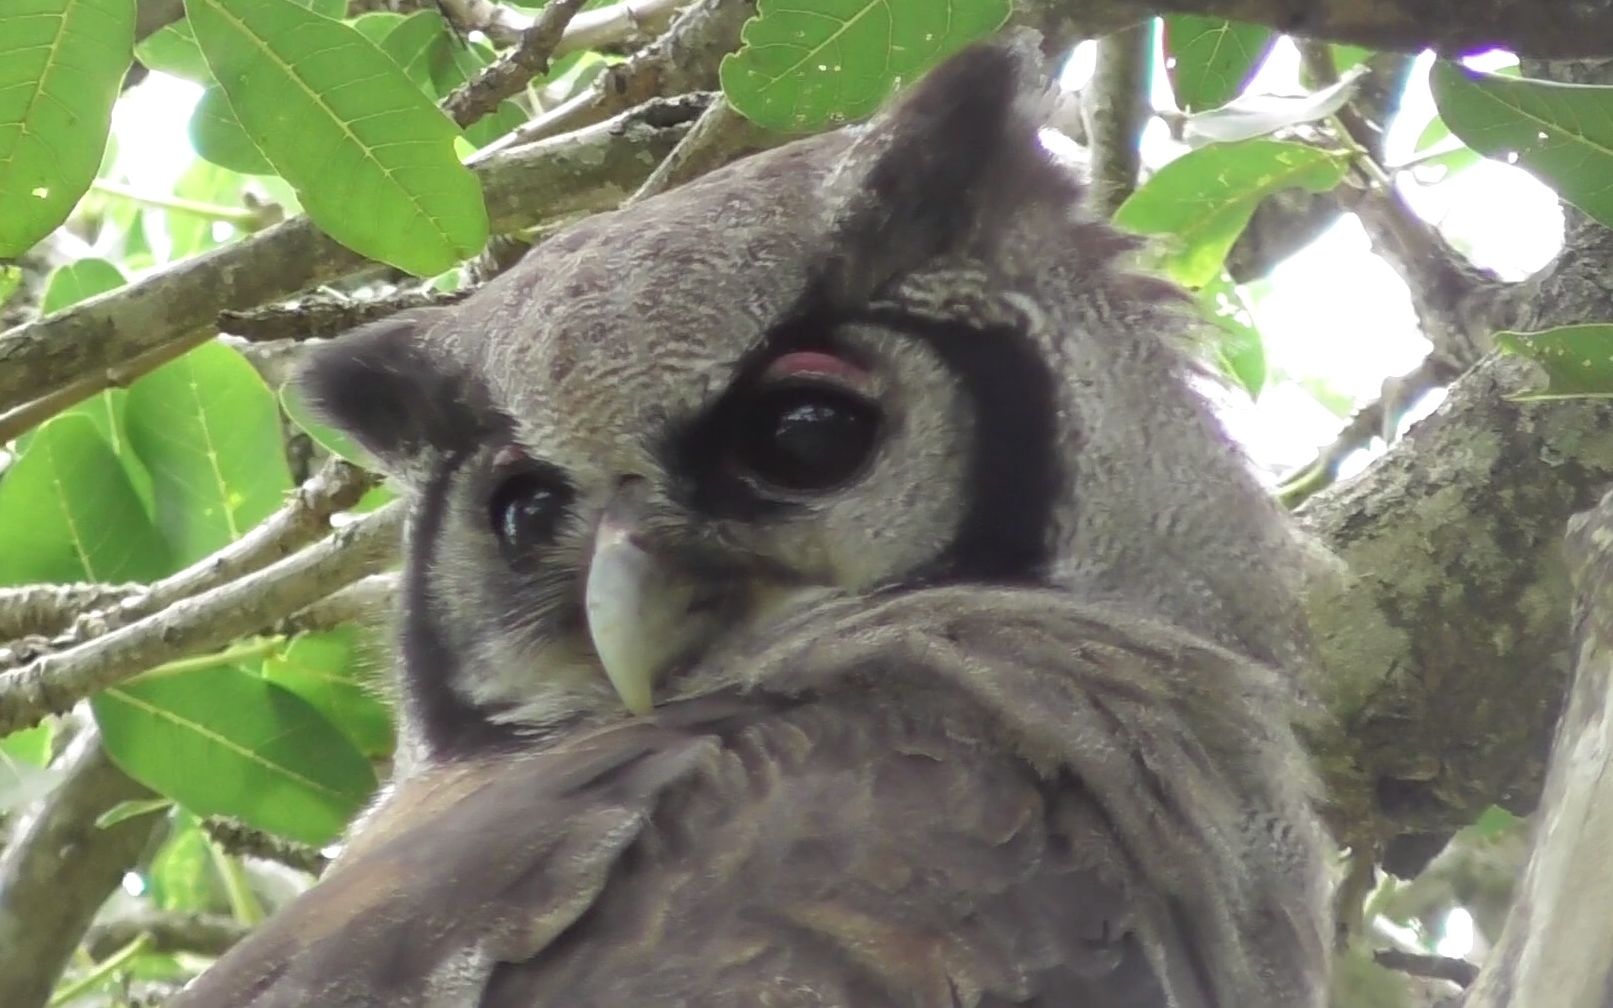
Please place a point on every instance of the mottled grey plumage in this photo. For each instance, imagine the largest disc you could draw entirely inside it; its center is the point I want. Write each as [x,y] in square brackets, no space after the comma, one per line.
[990,721]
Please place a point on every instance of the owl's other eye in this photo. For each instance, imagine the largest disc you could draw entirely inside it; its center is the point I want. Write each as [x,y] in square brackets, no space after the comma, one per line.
[526,507]
[805,436]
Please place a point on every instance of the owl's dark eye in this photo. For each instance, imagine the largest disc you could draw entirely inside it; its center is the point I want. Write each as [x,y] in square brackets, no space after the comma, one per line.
[526,507]
[805,437]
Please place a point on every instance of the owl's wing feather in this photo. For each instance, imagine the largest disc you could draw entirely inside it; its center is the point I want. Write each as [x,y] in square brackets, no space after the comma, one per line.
[902,839]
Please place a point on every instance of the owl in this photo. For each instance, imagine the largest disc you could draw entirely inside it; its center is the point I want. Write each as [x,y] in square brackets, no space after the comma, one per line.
[824,586]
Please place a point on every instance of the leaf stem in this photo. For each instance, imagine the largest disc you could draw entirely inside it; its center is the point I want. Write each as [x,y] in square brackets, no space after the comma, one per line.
[240,216]
[104,969]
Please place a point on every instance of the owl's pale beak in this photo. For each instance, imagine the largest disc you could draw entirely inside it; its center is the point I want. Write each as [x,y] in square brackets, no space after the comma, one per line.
[638,606]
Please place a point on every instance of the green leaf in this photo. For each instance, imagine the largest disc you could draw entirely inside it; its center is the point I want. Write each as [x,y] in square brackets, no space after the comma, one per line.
[24,777]
[1203,199]
[219,137]
[67,286]
[371,157]
[70,284]
[1347,56]
[31,745]
[181,875]
[323,670]
[207,429]
[68,513]
[61,63]
[1240,351]
[1210,60]
[806,64]
[172,49]
[125,810]
[437,61]
[327,437]
[376,25]
[1262,115]
[221,741]
[203,182]
[1561,133]
[1578,359]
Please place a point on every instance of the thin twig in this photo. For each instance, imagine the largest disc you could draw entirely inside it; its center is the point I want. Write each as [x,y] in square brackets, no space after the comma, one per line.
[168,931]
[1433,967]
[1377,419]
[244,841]
[508,74]
[52,683]
[305,517]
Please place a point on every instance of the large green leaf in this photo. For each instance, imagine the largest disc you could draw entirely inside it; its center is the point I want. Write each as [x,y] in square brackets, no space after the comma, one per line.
[809,63]
[67,286]
[323,669]
[438,61]
[221,741]
[1562,133]
[219,137]
[181,874]
[1240,352]
[1577,359]
[372,159]
[207,429]
[1203,199]
[61,62]
[68,513]
[70,284]
[1210,60]
[173,49]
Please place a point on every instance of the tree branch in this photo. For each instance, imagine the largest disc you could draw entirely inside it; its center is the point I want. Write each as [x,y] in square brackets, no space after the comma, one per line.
[306,517]
[1557,947]
[38,609]
[169,932]
[52,683]
[684,59]
[1117,108]
[1560,30]
[94,344]
[508,74]
[1456,598]
[60,867]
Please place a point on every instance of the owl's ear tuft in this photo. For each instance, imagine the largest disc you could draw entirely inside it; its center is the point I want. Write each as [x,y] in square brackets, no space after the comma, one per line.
[955,155]
[385,386]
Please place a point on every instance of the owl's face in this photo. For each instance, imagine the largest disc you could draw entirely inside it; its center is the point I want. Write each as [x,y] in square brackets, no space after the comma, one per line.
[865,361]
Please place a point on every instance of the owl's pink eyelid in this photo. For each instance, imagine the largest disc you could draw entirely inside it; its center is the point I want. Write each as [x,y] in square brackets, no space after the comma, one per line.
[816,363]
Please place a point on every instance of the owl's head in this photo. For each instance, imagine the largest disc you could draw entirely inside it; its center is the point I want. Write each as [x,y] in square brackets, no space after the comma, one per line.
[881,358]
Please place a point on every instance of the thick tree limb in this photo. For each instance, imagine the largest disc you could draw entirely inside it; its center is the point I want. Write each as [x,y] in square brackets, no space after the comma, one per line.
[52,683]
[1557,948]
[1555,30]
[1457,598]
[61,866]
[92,344]
[198,933]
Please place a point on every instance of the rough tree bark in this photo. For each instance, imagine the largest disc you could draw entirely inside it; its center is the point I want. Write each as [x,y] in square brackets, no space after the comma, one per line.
[1557,948]
[1446,651]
